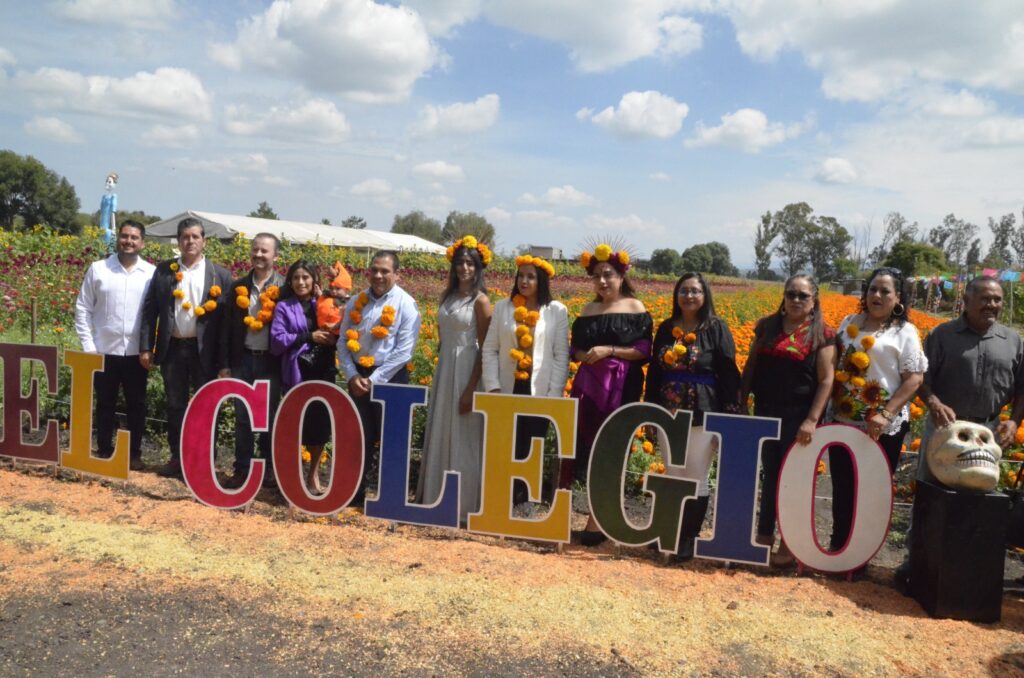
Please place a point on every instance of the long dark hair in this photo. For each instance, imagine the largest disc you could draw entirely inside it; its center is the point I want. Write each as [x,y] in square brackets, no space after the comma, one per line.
[543,286]
[478,277]
[770,326]
[897,283]
[307,266]
[625,290]
[706,314]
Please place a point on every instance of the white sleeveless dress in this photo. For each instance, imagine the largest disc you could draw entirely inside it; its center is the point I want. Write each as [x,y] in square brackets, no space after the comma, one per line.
[453,441]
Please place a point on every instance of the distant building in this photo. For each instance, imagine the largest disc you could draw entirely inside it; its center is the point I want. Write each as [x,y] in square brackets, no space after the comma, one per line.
[550,253]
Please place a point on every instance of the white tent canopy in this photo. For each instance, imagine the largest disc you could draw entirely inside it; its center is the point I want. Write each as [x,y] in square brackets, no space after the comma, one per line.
[227,226]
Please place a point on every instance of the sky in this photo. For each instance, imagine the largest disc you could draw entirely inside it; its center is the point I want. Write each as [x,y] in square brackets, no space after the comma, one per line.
[666,123]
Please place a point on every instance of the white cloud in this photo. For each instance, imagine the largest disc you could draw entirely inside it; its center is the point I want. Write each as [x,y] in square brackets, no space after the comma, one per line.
[315,120]
[170,136]
[747,129]
[439,170]
[563,196]
[139,14]
[460,118]
[549,220]
[249,164]
[441,16]
[836,171]
[963,104]
[630,225]
[52,129]
[497,215]
[865,50]
[643,114]
[371,188]
[6,58]
[367,51]
[659,176]
[997,131]
[602,34]
[164,93]
[584,113]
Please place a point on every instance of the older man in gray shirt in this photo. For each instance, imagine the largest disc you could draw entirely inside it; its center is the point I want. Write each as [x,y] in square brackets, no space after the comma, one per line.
[975,367]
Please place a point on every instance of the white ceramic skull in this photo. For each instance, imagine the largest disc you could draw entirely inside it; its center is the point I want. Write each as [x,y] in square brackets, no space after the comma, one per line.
[964,456]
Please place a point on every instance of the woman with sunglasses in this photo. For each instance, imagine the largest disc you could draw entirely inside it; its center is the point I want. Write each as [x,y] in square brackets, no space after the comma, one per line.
[880,365]
[611,339]
[789,371]
[693,367]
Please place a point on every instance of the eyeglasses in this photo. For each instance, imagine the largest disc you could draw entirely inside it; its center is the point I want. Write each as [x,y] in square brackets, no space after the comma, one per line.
[691,293]
[797,296]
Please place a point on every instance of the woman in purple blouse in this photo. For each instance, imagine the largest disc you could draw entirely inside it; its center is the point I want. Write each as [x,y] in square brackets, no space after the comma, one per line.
[611,339]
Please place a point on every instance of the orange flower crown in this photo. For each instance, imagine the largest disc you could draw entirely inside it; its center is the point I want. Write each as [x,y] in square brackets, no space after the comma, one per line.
[470,243]
[603,253]
[528,260]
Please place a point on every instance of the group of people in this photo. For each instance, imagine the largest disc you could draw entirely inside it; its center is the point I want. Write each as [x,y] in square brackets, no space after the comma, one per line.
[188,317]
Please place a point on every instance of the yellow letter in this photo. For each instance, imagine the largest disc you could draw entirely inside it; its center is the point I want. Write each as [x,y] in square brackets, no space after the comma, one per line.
[79,456]
[500,467]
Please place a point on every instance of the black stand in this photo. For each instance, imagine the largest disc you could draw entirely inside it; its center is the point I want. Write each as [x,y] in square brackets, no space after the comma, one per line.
[957,552]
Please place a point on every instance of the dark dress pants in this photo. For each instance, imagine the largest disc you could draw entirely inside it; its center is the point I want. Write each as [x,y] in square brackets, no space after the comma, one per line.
[256,365]
[370,415]
[841,468]
[120,372]
[183,374]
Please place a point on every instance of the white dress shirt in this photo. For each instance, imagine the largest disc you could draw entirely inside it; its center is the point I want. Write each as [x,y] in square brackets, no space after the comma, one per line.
[393,352]
[108,308]
[193,281]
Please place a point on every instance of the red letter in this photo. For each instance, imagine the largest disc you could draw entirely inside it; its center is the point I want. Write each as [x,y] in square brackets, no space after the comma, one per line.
[197,440]
[347,469]
[11,444]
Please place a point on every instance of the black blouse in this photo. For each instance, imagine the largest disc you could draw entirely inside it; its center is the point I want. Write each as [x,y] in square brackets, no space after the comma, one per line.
[617,329]
[706,379]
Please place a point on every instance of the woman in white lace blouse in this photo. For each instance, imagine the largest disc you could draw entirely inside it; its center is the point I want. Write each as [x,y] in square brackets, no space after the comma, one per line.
[880,365]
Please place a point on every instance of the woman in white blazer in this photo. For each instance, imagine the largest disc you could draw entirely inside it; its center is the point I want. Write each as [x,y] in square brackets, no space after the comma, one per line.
[526,351]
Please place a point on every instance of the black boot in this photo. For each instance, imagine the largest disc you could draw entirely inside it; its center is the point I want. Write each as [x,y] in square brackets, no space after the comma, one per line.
[693,519]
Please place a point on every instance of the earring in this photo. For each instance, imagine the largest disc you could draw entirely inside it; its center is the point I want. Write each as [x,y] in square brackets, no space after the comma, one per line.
[899,306]
[782,312]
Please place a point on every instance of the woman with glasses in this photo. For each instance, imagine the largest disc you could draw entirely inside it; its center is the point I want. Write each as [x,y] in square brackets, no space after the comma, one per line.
[611,339]
[789,371]
[881,364]
[693,367]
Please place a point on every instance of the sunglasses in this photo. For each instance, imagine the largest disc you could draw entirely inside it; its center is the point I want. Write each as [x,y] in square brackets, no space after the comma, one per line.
[797,296]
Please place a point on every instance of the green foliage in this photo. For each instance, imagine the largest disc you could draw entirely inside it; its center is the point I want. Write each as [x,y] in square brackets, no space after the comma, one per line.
[764,236]
[36,194]
[916,258]
[264,211]
[354,222]
[664,261]
[419,224]
[459,224]
[803,240]
[954,237]
[696,258]
[1003,232]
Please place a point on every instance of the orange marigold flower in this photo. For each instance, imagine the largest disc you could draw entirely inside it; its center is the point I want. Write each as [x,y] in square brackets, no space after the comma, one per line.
[179,276]
[366,361]
[210,306]
[242,291]
[670,358]
[690,338]
[861,360]
[178,294]
[186,306]
[355,317]
[526,341]
[680,350]
[532,317]
[516,354]
[200,311]
[274,292]
[353,335]
[256,325]
[648,447]
[518,300]
[842,376]
[867,342]
[522,376]
[174,266]
[677,332]
[264,316]
[353,346]
[520,313]
[379,332]
[852,330]
[242,302]
[215,290]
[522,330]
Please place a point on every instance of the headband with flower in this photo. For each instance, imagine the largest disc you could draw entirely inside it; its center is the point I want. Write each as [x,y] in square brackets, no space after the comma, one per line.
[528,260]
[603,253]
[470,243]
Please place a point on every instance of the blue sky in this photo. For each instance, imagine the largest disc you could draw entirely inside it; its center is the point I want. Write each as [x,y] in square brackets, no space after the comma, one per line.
[666,122]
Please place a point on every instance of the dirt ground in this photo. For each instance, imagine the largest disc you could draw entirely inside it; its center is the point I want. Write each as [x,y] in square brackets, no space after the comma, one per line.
[108,578]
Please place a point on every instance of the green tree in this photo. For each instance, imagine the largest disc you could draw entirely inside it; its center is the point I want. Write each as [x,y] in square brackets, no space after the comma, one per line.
[354,222]
[698,258]
[916,258]
[827,243]
[264,211]
[418,223]
[897,229]
[721,260]
[36,194]
[1003,231]
[793,226]
[664,261]
[953,236]
[974,254]
[325,221]
[459,224]
[764,236]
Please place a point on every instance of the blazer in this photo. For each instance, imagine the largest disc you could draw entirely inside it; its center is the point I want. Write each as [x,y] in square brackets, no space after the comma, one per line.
[158,317]
[236,330]
[289,338]
[550,350]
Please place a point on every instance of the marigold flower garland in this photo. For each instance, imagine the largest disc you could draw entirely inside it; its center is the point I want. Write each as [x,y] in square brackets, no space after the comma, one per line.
[684,340]
[527,260]
[379,331]
[470,243]
[209,306]
[268,300]
[526,320]
[604,253]
[856,397]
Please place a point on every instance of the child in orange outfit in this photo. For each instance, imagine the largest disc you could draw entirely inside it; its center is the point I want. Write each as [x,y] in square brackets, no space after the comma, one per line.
[331,304]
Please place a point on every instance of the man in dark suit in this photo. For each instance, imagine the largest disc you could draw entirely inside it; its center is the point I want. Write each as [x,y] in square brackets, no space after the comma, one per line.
[181,327]
[248,338]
